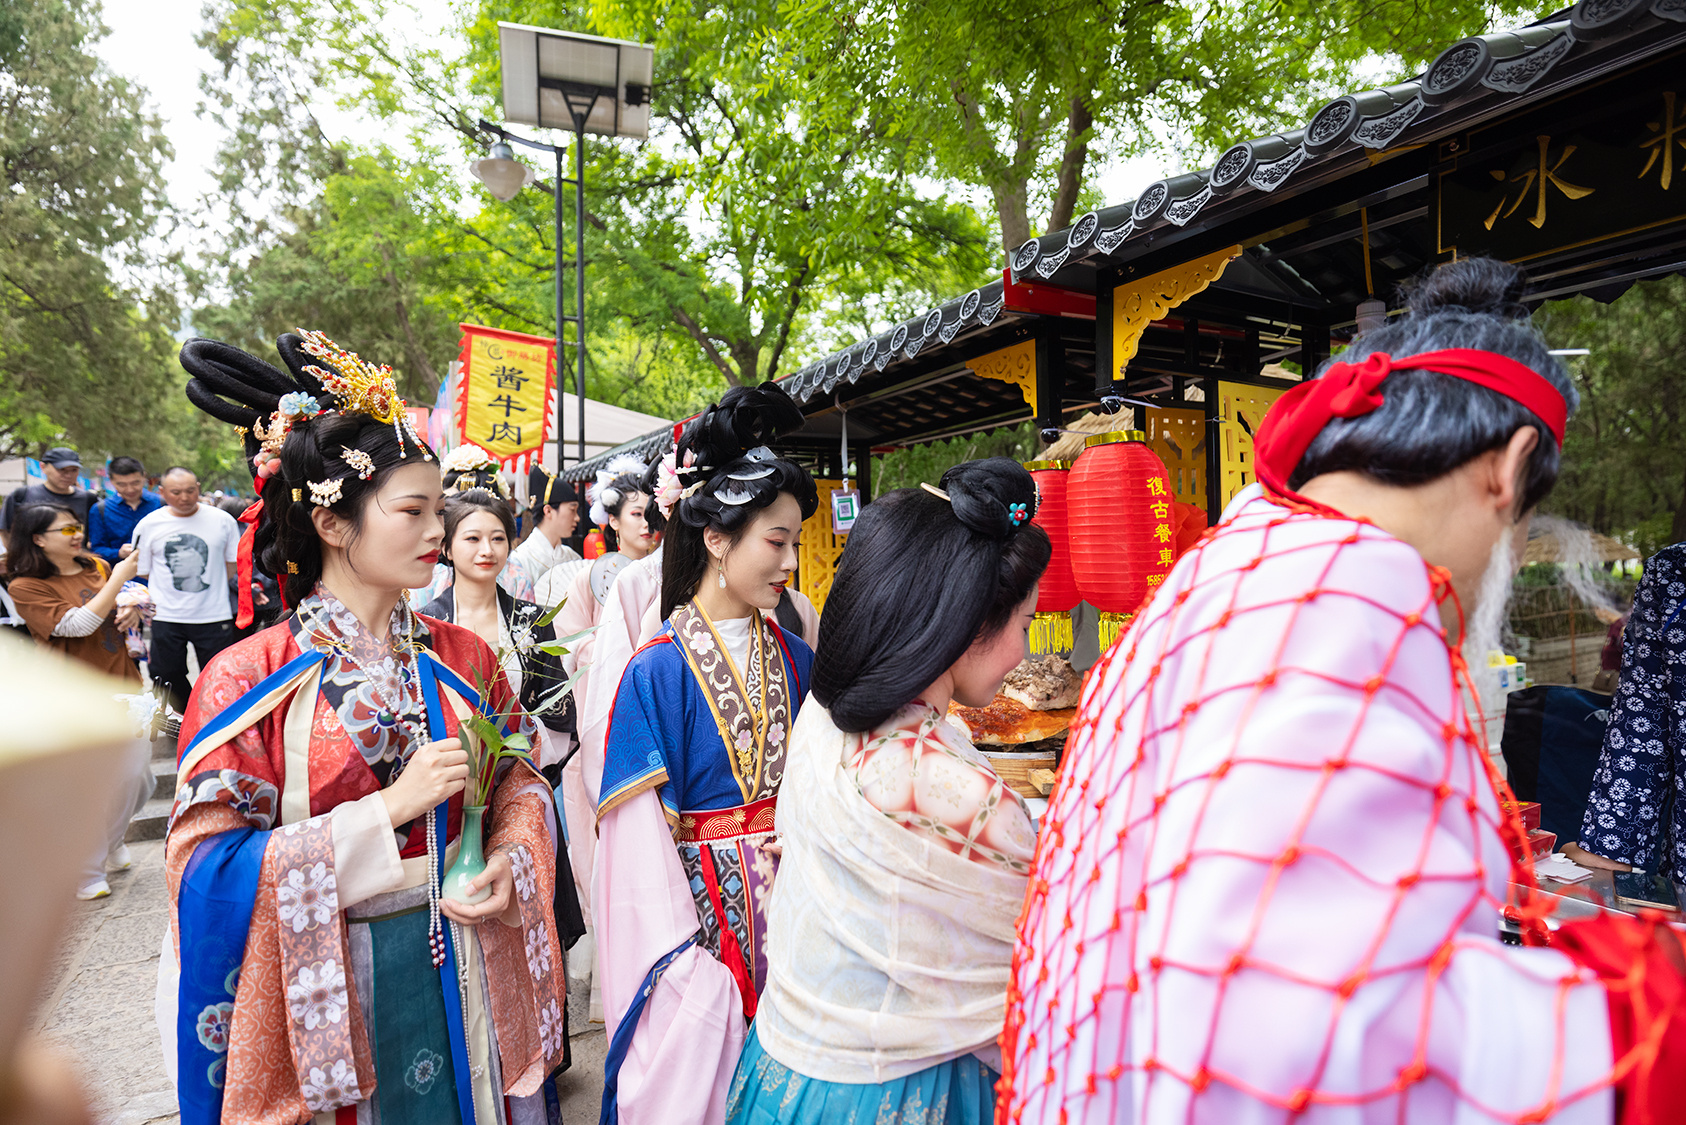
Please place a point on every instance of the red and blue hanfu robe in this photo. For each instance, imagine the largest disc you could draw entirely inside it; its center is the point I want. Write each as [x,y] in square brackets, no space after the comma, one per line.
[299,917]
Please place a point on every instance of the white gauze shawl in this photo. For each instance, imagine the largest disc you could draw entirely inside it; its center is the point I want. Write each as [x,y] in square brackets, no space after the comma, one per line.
[886,952]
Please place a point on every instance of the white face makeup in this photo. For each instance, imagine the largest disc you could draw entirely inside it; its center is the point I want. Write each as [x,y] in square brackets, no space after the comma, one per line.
[402,528]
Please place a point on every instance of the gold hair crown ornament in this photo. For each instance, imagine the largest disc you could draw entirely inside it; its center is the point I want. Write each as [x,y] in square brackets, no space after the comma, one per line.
[362,388]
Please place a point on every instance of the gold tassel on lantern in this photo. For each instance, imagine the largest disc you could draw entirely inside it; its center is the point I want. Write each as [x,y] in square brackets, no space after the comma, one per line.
[1050,633]
[1113,626]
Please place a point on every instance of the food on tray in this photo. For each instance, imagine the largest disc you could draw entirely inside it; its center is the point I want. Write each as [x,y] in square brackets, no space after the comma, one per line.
[1047,684]
[1008,722]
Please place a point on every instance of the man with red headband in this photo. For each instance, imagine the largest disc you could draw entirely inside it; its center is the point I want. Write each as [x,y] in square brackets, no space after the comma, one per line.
[1270,883]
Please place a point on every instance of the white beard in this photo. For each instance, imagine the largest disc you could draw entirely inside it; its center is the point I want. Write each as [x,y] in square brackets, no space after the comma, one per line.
[1485,623]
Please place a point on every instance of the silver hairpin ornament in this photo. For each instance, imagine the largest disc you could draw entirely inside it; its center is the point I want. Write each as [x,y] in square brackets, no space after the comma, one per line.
[326,493]
[934,491]
[760,453]
[732,496]
[359,460]
[752,474]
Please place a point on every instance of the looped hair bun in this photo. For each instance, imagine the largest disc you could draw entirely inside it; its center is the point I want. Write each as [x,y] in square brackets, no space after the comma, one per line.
[994,497]
[744,418]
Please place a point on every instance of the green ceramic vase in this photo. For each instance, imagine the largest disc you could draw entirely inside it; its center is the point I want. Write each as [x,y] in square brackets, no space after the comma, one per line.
[470,861]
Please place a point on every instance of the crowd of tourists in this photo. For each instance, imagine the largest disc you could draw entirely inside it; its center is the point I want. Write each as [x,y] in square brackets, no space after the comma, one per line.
[1268,885]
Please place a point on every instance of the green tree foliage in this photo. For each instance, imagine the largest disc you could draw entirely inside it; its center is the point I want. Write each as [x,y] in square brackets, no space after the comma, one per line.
[1018,98]
[83,357]
[745,228]
[1624,454]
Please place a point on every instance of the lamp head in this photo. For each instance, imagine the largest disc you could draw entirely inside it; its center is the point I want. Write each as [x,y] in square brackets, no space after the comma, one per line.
[503,175]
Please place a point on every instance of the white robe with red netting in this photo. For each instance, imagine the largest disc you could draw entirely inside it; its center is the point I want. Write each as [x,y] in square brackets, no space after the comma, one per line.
[1269,885]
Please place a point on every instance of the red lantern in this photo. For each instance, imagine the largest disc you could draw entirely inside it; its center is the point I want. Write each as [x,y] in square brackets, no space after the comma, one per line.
[1121,530]
[1057,594]
[595,545]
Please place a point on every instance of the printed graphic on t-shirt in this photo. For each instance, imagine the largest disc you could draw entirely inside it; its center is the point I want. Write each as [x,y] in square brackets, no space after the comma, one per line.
[187,558]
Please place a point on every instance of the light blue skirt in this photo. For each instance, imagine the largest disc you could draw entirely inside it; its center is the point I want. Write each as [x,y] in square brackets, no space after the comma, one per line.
[766,1092]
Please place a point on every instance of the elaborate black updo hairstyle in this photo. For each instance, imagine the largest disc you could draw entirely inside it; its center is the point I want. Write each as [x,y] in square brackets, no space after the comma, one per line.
[244,391]
[1429,424]
[738,476]
[921,580]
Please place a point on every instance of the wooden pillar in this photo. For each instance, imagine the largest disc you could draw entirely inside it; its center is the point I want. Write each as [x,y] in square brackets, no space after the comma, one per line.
[863,470]
[1214,452]
[1050,380]
[1105,280]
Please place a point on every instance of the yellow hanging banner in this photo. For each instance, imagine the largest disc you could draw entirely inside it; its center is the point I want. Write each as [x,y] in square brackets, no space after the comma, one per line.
[504,392]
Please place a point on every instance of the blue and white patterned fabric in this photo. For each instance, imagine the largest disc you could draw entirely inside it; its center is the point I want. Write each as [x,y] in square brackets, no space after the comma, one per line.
[1645,745]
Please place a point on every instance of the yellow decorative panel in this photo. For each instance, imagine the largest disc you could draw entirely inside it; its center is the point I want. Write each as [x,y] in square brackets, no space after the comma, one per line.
[816,558]
[1137,304]
[1240,410]
[1179,437]
[1016,365]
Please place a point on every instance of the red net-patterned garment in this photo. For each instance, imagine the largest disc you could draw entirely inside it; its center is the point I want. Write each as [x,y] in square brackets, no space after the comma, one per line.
[1269,885]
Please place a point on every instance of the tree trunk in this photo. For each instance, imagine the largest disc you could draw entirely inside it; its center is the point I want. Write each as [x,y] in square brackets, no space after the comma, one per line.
[1013,209]
[1072,163]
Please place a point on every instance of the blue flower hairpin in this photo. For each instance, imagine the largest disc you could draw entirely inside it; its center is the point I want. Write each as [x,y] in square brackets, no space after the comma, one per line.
[1018,513]
[298,404]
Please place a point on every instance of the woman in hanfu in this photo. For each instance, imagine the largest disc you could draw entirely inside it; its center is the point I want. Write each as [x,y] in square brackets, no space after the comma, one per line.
[693,759]
[322,977]
[890,938]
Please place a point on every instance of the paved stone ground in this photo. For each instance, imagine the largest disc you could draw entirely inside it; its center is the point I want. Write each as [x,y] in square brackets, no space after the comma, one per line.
[96,1004]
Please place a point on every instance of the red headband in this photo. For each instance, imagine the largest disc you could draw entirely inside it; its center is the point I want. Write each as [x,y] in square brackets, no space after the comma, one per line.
[1351,390]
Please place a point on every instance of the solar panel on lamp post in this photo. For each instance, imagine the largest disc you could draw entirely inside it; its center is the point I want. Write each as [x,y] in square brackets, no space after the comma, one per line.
[585,84]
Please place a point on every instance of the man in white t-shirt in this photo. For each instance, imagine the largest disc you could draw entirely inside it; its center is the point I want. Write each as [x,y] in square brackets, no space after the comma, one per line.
[187,558]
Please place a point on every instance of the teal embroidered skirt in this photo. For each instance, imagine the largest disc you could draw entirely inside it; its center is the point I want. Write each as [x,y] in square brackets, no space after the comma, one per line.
[766,1092]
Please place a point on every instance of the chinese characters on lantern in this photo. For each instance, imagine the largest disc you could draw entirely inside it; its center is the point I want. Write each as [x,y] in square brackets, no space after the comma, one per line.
[503,398]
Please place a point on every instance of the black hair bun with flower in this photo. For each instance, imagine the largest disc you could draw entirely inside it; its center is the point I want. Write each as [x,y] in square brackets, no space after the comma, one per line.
[994,497]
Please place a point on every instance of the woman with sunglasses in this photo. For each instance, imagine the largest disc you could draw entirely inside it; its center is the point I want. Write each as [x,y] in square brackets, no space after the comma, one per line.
[66,594]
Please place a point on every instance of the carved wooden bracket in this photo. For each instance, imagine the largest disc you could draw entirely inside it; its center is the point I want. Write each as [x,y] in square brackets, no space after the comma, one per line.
[1015,364]
[1137,304]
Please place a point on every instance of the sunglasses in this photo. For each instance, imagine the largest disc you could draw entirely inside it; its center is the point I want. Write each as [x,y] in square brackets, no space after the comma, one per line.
[67,530]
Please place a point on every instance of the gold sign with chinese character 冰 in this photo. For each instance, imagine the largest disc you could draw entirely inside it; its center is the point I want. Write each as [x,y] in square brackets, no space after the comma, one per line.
[503,396]
[1545,190]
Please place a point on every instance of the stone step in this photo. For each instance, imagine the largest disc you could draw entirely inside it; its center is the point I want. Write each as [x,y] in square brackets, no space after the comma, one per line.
[150,822]
[164,777]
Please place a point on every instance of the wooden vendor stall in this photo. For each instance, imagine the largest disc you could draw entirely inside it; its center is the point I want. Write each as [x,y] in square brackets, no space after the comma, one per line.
[1560,146]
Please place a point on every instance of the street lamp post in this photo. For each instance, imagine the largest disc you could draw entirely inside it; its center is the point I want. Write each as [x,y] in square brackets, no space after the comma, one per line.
[557,79]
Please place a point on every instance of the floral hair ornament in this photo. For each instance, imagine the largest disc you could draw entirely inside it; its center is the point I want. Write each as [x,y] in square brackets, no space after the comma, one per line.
[601,494]
[471,463]
[326,493]
[1017,513]
[670,479]
[359,460]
